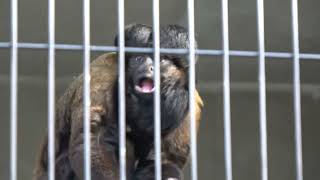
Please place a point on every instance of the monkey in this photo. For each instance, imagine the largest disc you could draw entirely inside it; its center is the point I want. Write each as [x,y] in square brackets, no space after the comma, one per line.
[139,90]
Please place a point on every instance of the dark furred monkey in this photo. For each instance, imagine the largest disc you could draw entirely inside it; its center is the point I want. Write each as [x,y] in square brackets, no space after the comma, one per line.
[139,106]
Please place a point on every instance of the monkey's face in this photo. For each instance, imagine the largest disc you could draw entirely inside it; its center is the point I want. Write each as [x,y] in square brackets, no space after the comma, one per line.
[140,78]
[141,87]
[141,75]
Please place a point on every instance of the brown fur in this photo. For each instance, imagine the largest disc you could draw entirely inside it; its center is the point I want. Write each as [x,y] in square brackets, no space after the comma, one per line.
[104,128]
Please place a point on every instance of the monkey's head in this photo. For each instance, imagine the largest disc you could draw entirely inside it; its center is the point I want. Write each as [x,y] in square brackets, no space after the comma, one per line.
[140,73]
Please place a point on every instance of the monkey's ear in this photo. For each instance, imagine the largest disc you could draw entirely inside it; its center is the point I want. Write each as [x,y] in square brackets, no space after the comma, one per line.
[176,36]
[136,35]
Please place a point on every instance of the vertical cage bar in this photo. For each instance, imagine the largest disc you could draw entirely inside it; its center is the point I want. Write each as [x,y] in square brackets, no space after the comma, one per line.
[192,77]
[14,90]
[157,105]
[122,108]
[87,103]
[51,89]
[262,91]
[226,91]
[296,89]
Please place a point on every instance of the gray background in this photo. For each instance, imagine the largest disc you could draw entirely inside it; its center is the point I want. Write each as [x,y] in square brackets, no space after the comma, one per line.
[32,108]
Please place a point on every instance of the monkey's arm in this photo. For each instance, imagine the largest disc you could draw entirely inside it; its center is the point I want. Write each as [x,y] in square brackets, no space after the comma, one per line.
[103,123]
[104,163]
[177,144]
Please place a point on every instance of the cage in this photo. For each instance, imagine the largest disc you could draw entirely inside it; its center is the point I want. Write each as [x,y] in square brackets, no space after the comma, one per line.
[263,140]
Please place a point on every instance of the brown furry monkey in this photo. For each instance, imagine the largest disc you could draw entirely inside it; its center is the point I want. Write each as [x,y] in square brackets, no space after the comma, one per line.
[175,146]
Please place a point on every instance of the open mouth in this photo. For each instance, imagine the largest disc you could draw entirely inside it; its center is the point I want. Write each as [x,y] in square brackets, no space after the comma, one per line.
[145,85]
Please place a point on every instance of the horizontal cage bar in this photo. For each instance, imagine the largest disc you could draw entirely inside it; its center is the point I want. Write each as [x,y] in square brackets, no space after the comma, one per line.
[202,52]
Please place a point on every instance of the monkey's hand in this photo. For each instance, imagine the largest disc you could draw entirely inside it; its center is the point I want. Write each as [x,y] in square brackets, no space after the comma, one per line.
[146,171]
[104,163]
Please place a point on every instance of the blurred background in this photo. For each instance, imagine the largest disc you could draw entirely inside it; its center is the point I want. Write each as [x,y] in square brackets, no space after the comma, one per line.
[32,117]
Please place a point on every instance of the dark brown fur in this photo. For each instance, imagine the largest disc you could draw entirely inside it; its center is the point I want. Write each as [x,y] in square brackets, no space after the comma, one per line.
[104,129]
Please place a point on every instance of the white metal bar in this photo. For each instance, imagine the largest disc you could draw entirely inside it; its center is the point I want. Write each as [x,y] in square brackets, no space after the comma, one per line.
[203,52]
[14,90]
[51,89]
[157,105]
[262,91]
[226,91]
[212,87]
[86,92]
[192,80]
[296,89]
[122,102]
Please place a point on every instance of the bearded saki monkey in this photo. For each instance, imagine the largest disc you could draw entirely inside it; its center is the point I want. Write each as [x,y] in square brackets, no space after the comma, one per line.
[69,140]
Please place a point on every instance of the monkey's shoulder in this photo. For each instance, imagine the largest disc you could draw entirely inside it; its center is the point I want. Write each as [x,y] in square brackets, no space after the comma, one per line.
[103,78]
[107,60]
[104,70]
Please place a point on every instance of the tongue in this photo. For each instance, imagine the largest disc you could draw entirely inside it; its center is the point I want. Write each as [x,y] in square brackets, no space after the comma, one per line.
[146,86]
